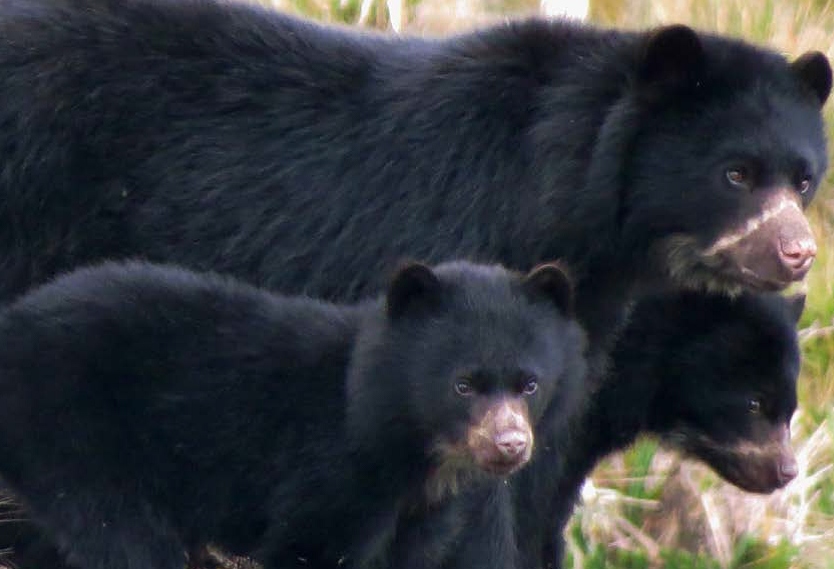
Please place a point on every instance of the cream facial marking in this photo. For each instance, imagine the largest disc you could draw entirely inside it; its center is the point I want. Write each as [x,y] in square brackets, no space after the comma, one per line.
[753,224]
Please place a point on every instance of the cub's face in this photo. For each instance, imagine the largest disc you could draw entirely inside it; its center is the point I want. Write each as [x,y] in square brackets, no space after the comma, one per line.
[483,403]
[732,400]
[486,358]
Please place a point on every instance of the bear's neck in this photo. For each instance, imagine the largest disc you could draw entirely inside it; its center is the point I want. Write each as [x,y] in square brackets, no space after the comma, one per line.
[390,474]
[616,415]
[603,302]
[548,489]
[612,419]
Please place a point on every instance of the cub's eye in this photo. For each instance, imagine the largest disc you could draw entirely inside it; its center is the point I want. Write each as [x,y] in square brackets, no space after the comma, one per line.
[531,386]
[805,185]
[754,405]
[738,176]
[463,387]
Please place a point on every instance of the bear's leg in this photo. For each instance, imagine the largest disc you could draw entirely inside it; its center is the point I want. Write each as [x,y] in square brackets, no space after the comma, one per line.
[428,539]
[100,527]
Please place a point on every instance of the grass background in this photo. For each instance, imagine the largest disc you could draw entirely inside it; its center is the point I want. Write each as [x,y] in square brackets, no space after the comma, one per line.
[647,507]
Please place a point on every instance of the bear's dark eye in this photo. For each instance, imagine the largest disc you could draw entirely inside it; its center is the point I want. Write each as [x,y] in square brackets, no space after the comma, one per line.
[531,386]
[739,176]
[805,185]
[463,387]
[754,405]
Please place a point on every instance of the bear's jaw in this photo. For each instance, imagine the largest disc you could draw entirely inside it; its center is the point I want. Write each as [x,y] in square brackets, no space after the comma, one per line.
[455,469]
[766,251]
[690,266]
[448,477]
[753,466]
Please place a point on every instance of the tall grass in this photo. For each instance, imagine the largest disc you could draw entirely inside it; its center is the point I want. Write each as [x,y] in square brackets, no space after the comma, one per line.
[648,507]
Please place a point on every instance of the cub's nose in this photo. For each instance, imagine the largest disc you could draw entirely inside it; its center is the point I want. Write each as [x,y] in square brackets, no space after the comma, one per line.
[788,470]
[512,444]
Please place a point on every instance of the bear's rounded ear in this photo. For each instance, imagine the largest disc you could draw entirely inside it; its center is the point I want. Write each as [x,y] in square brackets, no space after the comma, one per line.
[413,284]
[796,304]
[551,281]
[672,55]
[814,70]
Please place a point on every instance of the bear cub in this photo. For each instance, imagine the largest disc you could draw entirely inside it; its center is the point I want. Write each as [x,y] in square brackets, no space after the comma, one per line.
[712,377]
[148,410]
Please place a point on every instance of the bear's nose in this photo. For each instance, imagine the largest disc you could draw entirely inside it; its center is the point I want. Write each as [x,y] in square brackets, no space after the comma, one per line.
[788,470]
[511,444]
[797,255]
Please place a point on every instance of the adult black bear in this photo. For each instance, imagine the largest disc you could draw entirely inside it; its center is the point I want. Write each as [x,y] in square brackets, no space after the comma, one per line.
[307,158]
[711,376]
[148,410]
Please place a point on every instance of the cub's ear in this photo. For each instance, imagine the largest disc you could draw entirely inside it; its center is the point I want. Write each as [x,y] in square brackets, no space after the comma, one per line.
[796,304]
[813,69]
[672,55]
[413,285]
[550,281]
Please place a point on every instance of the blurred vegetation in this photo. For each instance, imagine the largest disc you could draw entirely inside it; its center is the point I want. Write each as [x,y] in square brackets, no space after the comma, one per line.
[648,508]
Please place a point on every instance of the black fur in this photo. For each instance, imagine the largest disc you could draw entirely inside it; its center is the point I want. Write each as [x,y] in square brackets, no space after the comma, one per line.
[308,159]
[149,410]
[685,369]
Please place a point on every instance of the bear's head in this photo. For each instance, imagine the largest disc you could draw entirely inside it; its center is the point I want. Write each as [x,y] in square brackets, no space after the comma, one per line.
[729,389]
[463,366]
[728,151]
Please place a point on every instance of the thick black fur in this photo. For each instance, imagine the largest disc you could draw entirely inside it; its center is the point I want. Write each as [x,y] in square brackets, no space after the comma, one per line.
[309,159]
[685,369]
[148,410]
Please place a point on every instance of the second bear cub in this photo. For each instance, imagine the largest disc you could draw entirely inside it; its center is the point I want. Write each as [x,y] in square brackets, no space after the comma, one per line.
[148,410]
